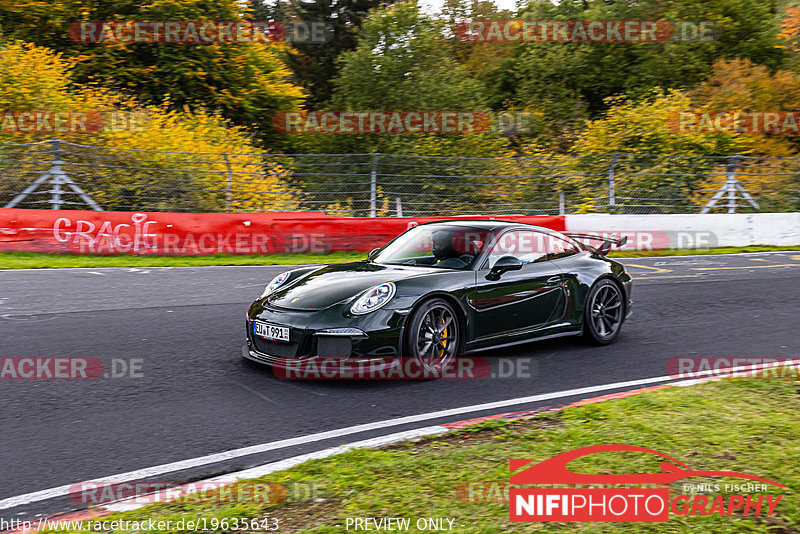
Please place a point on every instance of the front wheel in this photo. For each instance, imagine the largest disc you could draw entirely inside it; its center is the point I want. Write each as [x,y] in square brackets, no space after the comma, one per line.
[603,314]
[432,337]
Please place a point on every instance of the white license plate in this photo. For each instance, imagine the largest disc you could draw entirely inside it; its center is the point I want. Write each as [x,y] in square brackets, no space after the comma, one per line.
[272,332]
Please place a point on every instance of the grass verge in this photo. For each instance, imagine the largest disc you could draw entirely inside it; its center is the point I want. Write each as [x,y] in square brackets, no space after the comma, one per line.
[701,251]
[738,425]
[34,260]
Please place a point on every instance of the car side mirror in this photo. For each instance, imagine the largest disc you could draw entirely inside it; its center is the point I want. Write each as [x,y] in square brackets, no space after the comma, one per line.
[372,253]
[504,264]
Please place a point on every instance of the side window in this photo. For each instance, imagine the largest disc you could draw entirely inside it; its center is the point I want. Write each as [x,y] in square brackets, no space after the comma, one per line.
[530,246]
[561,248]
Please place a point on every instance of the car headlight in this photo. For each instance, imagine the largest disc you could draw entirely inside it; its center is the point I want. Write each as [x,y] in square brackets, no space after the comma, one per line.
[274,284]
[373,299]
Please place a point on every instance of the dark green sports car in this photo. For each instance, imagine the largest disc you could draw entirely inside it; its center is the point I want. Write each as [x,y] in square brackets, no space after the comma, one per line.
[440,290]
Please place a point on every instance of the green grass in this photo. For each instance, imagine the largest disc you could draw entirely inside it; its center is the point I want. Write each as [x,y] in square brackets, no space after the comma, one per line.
[738,425]
[698,251]
[34,260]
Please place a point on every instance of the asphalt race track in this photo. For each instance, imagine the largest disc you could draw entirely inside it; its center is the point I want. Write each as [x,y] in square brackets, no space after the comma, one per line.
[197,396]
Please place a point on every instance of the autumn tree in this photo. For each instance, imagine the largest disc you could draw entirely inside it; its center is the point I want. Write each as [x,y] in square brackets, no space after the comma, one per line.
[570,82]
[245,82]
[165,159]
[742,84]
[402,62]
[315,64]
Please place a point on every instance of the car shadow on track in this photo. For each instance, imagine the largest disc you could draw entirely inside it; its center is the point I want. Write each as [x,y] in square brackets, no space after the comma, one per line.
[525,362]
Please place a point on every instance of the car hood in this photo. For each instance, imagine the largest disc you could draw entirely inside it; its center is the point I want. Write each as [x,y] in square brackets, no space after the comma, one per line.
[327,286]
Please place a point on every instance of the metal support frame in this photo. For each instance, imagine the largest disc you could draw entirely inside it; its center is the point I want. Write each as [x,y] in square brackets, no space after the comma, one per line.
[730,188]
[57,178]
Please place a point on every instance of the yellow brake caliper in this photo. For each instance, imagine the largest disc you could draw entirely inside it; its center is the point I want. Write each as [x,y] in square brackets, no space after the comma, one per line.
[444,341]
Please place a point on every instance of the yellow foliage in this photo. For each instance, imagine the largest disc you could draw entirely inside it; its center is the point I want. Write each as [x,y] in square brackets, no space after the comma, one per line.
[32,78]
[340,209]
[144,145]
[790,28]
[649,127]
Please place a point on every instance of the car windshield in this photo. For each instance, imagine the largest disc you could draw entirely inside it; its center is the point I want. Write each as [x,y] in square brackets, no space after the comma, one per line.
[444,246]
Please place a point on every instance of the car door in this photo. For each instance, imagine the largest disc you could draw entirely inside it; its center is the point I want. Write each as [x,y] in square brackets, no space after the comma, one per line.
[522,301]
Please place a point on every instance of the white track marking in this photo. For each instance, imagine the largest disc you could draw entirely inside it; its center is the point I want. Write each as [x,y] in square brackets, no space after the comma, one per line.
[266,469]
[141,474]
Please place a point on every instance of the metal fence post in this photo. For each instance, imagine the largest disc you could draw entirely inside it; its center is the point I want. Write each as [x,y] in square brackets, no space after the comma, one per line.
[373,187]
[562,207]
[56,172]
[612,197]
[730,182]
[228,182]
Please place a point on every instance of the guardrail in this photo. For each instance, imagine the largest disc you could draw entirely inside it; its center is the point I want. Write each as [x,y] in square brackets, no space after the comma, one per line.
[162,233]
[649,232]
[182,234]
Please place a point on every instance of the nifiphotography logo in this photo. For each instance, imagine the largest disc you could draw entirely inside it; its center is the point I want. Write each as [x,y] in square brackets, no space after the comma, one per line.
[615,500]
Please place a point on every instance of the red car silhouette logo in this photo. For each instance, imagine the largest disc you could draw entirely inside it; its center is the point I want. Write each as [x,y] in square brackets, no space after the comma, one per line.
[554,470]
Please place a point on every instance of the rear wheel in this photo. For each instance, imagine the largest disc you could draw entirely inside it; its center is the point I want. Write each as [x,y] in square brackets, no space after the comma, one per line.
[432,336]
[603,314]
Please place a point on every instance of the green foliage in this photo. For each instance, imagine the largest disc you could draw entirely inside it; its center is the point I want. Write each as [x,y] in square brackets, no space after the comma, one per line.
[315,65]
[571,81]
[402,62]
[246,82]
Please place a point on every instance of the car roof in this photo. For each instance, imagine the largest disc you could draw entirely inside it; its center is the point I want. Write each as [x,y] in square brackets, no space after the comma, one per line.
[486,224]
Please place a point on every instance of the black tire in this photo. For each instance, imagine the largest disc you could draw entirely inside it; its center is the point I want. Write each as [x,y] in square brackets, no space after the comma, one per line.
[604,312]
[433,336]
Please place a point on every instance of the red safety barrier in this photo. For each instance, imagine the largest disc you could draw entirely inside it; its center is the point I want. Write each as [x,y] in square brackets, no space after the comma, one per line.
[176,234]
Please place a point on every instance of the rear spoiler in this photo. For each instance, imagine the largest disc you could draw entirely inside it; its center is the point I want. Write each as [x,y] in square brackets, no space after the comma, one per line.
[605,247]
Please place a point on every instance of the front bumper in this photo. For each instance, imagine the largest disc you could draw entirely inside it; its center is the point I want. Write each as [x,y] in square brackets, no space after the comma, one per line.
[366,338]
[628,285]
